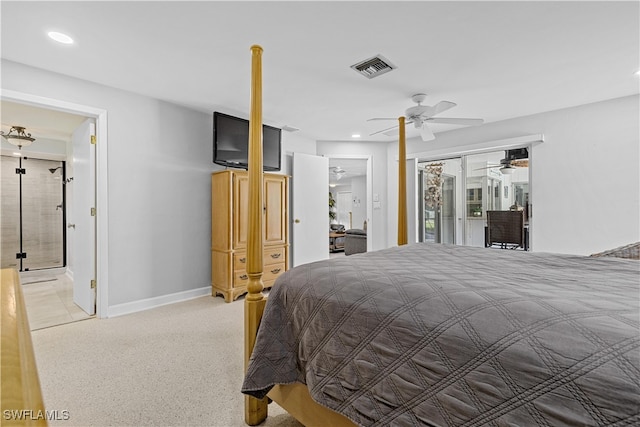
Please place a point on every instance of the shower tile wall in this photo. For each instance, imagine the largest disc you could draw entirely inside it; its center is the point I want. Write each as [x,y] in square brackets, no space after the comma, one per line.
[42,213]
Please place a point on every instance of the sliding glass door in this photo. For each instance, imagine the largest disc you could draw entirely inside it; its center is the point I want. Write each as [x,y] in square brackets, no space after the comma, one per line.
[455,194]
[439,200]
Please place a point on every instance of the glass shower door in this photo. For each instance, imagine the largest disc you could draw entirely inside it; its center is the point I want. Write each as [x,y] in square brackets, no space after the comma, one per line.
[33,213]
[10,212]
[42,214]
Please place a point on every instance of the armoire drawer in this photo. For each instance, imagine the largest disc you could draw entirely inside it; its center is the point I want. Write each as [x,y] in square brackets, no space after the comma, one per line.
[272,271]
[273,256]
[239,261]
[240,278]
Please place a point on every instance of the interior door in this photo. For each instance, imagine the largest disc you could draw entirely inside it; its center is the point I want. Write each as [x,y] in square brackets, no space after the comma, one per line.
[84,233]
[310,188]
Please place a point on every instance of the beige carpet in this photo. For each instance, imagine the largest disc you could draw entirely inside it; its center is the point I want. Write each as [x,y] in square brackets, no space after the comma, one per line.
[177,365]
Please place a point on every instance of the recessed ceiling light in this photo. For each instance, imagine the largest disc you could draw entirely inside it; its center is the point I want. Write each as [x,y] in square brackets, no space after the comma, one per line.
[60,37]
[355,135]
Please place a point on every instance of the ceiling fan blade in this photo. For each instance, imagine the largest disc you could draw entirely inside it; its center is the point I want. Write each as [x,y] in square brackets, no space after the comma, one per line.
[442,106]
[426,133]
[489,167]
[381,118]
[454,121]
[383,130]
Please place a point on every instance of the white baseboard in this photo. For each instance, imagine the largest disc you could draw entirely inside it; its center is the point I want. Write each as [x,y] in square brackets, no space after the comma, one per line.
[149,303]
[69,273]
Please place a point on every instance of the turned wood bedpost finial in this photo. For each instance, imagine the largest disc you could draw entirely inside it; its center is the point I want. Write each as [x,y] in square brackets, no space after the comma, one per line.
[255,410]
[402,184]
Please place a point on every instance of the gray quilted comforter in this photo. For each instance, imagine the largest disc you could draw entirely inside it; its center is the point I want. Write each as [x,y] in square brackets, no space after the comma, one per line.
[444,335]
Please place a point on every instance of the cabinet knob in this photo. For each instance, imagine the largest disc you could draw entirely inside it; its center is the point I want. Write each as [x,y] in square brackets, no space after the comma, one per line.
[243,260]
[244,277]
[297,221]
[274,256]
[275,270]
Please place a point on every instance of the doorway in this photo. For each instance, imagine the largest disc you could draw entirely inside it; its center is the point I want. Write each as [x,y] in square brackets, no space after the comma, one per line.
[41,115]
[350,185]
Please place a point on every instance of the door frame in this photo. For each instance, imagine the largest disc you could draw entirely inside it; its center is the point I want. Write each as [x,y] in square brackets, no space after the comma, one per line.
[102,219]
[369,180]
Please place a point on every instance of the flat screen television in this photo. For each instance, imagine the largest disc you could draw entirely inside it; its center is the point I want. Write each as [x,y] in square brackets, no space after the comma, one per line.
[231,143]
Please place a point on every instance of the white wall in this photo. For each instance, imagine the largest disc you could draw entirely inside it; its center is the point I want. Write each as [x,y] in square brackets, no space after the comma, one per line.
[159,165]
[585,179]
[294,142]
[377,226]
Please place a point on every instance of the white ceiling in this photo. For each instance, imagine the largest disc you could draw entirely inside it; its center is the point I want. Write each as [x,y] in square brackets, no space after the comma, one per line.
[496,60]
[49,124]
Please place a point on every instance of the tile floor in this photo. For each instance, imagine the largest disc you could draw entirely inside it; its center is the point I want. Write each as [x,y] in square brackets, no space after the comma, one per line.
[48,296]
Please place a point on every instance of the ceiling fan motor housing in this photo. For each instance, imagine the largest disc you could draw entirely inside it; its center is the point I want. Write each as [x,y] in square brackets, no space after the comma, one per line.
[516,154]
[415,111]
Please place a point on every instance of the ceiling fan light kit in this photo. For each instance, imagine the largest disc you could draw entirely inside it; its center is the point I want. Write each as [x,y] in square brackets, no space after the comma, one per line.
[18,136]
[420,114]
[507,169]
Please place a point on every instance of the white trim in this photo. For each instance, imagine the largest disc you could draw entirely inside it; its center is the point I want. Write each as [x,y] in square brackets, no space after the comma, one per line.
[465,150]
[102,220]
[149,303]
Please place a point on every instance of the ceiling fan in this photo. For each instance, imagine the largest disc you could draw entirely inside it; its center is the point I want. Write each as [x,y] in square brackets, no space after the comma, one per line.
[512,159]
[338,172]
[420,114]
[509,166]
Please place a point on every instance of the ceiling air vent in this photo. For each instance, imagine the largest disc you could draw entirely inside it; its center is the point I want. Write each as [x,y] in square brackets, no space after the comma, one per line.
[373,67]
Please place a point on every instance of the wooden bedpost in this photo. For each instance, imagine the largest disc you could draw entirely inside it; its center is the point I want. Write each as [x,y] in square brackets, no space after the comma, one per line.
[255,410]
[402,185]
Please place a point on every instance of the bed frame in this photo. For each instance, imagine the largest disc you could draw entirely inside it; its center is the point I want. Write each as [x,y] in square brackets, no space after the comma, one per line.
[294,398]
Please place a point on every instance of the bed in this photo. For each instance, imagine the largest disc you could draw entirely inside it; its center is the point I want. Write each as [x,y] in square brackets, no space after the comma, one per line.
[431,334]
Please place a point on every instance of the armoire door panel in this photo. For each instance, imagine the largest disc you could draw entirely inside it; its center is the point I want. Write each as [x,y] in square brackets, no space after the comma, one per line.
[220,212]
[241,209]
[274,195]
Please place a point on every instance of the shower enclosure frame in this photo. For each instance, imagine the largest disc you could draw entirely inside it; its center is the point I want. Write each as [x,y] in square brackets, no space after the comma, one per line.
[22,254]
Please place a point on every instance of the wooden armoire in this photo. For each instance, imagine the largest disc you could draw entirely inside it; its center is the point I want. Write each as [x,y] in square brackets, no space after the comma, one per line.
[229,215]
